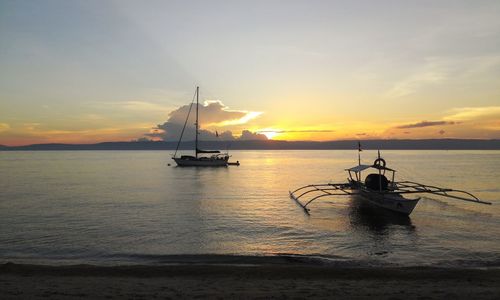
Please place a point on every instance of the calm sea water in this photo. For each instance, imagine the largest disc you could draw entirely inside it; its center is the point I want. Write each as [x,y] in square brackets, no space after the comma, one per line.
[131,207]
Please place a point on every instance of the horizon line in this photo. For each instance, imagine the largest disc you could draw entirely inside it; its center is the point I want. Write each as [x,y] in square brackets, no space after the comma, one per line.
[258,140]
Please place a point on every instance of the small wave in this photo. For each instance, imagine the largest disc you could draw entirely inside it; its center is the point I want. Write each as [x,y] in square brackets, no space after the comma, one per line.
[277,259]
[247,260]
[215,259]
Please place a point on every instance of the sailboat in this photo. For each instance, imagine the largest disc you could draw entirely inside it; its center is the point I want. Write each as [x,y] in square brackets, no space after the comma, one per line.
[215,159]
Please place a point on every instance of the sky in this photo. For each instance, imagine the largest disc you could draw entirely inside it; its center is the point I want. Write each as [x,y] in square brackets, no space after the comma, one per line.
[93,71]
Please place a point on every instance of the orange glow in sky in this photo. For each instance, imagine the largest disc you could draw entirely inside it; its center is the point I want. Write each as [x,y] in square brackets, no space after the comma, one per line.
[89,72]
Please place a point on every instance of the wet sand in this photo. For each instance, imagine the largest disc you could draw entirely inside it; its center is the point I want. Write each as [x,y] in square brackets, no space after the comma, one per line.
[294,281]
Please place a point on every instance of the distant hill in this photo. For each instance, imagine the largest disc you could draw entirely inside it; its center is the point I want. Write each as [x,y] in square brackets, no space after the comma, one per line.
[425,144]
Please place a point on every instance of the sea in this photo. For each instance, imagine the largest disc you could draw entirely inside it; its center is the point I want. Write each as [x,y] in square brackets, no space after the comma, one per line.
[137,207]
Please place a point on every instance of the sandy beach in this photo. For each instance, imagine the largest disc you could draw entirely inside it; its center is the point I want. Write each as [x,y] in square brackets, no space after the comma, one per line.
[280,281]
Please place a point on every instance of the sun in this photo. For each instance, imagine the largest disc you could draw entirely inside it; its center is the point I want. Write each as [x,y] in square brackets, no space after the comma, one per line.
[269,133]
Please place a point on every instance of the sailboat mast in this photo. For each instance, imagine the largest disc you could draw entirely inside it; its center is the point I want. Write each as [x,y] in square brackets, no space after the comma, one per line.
[196,133]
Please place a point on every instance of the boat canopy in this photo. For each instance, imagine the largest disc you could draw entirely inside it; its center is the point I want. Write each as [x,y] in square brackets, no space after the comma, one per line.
[360,168]
[207,151]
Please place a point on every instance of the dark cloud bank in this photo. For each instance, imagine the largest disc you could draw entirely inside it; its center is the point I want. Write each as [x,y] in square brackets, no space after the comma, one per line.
[426,124]
[212,113]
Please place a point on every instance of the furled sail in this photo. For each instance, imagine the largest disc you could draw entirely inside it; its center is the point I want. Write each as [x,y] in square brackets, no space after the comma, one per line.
[207,151]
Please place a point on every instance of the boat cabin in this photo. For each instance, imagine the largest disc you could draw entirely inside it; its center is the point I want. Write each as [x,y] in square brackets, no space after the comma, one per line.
[373,181]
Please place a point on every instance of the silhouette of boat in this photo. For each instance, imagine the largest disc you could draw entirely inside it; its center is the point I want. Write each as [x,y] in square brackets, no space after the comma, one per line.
[377,190]
[216,159]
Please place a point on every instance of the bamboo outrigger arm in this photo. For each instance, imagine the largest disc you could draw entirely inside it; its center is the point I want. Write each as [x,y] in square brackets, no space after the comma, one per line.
[319,187]
[410,187]
[377,189]
[399,188]
[324,189]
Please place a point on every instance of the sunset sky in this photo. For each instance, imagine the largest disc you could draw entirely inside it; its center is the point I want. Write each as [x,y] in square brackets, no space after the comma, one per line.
[92,71]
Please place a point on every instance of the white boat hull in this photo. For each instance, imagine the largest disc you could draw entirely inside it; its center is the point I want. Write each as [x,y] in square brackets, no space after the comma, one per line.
[200,162]
[393,202]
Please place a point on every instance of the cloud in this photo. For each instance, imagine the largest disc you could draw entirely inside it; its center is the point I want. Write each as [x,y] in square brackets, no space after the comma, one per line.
[431,74]
[133,105]
[474,113]
[412,84]
[425,124]
[468,122]
[31,126]
[249,116]
[449,69]
[293,131]
[483,118]
[211,114]
[34,133]
[247,135]
[4,127]
[142,106]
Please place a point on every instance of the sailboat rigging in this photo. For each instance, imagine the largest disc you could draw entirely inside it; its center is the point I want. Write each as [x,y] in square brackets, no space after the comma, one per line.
[217,159]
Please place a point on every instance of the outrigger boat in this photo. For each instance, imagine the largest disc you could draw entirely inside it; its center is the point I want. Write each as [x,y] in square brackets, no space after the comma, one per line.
[216,159]
[377,190]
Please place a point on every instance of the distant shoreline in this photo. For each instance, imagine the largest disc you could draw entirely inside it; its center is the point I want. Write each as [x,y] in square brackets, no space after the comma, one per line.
[423,144]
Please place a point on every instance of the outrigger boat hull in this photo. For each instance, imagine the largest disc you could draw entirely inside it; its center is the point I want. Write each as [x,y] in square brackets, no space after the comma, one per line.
[392,202]
[377,190]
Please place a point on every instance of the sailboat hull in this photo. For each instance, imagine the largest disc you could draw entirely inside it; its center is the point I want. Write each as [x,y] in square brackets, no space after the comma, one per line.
[200,162]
